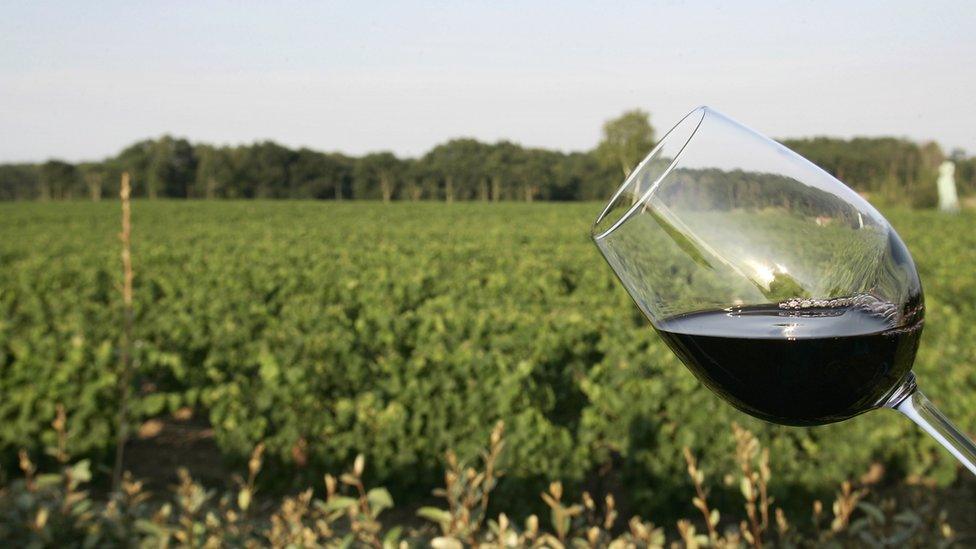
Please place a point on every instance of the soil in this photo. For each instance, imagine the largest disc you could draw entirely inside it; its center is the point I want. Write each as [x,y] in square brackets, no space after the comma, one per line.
[161,446]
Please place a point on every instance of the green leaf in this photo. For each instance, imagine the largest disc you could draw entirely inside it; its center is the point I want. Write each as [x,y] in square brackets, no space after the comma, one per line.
[908,517]
[48,480]
[445,542]
[872,511]
[338,503]
[899,538]
[81,471]
[149,527]
[379,499]
[244,499]
[268,368]
[434,514]
[347,541]
[83,506]
[392,537]
[153,404]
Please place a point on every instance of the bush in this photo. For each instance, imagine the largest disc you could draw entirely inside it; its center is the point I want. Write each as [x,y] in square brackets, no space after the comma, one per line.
[399,331]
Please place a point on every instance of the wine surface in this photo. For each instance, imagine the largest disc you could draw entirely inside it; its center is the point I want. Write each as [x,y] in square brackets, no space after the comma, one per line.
[806,367]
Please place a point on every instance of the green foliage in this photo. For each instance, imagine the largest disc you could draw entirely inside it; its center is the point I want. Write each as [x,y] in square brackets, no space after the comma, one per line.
[895,171]
[626,140]
[19,181]
[57,180]
[377,172]
[399,331]
[172,168]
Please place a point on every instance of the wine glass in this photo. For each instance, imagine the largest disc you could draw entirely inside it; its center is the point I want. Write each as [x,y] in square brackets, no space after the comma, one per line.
[781,289]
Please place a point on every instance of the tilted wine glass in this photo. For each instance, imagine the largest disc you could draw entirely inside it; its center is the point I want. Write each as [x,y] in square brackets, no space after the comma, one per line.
[783,290]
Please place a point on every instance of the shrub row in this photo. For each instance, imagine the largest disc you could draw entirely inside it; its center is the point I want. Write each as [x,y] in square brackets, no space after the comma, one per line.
[399,331]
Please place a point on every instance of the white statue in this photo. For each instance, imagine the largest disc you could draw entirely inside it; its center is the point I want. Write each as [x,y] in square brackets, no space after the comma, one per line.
[948,200]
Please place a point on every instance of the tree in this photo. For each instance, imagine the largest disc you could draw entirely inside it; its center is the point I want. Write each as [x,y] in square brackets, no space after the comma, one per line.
[93,174]
[171,169]
[135,159]
[626,140]
[460,165]
[586,178]
[156,171]
[578,176]
[965,171]
[499,166]
[214,173]
[19,181]
[319,175]
[892,169]
[342,175]
[897,170]
[924,193]
[534,172]
[264,170]
[415,175]
[377,173]
[57,180]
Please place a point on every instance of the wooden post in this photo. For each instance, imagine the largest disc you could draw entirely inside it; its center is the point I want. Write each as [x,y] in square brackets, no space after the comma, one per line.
[124,375]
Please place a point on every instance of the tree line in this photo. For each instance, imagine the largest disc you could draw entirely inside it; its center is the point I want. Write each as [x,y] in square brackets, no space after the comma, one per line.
[891,169]
[897,170]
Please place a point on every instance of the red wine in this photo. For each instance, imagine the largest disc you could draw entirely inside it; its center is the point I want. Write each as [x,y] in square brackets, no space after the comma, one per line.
[806,366]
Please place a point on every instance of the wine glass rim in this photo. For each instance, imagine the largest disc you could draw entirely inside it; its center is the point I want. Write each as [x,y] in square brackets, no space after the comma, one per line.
[701,112]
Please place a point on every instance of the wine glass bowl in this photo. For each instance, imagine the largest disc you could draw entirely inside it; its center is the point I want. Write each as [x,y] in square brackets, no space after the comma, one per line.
[737,219]
[783,290]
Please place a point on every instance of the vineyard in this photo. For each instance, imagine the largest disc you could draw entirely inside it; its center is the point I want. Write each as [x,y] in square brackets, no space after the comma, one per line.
[398,331]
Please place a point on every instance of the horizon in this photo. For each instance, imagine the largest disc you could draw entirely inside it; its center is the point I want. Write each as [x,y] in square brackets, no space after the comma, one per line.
[659,132]
[79,85]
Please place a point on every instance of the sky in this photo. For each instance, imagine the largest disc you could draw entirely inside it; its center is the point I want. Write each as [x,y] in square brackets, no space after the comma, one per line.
[81,80]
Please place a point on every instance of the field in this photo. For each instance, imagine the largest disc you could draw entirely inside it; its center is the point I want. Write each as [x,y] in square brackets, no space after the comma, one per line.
[401,330]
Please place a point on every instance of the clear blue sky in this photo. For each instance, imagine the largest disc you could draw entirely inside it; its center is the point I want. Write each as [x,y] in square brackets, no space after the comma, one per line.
[79,80]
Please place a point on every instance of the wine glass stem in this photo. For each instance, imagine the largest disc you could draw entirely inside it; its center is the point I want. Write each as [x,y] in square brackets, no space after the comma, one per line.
[920,410]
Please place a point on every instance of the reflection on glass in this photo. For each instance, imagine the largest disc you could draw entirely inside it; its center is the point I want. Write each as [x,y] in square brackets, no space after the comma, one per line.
[783,290]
